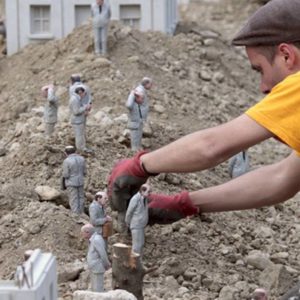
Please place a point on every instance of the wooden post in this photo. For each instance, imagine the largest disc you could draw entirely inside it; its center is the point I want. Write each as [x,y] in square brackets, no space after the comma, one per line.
[127,270]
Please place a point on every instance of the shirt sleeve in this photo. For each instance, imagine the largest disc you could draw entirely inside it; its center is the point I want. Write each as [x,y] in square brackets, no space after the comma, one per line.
[279,111]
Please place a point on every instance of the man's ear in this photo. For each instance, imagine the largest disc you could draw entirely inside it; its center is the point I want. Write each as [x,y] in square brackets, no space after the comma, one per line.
[287,52]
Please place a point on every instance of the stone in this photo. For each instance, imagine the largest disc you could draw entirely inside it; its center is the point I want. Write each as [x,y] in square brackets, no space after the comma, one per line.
[159,108]
[70,271]
[111,295]
[228,293]
[47,193]
[171,283]
[276,277]
[258,259]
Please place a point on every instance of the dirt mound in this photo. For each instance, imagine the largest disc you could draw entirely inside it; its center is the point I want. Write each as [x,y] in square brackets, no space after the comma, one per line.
[199,82]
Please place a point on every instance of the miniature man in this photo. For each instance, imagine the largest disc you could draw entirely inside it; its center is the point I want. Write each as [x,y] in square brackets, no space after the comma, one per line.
[97,258]
[238,164]
[74,170]
[137,218]
[101,14]
[138,106]
[76,82]
[79,112]
[98,216]
[51,108]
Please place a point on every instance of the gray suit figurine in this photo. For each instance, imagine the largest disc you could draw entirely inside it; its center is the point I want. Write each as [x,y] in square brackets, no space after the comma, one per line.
[51,108]
[97,258]
[101,14]
[74,170]
[138,109]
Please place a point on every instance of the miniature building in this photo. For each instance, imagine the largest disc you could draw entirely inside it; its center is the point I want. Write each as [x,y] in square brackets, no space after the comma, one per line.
[29,21]
[36,279]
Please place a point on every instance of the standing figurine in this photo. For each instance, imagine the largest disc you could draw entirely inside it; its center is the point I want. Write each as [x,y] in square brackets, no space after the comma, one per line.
[79,111]
[137,218]
[239,164]
[97,258]
[74,170]
[101,14]
[138,106]
[51,108]
[98,216]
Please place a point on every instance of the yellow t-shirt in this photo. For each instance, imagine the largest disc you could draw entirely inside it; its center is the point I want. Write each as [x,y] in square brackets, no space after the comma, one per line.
[279,111]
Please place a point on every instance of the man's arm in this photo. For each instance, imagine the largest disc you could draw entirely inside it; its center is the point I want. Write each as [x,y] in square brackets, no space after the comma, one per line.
[76,108]
[66,172]
[130,100]
[206,148]
[262,187]
[100,247]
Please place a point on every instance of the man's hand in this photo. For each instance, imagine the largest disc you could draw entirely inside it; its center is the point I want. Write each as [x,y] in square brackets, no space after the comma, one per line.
[165,209]
[124,181]
[108,219]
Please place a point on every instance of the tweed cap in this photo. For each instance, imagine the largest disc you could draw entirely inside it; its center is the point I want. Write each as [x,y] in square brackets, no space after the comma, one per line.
[276,22]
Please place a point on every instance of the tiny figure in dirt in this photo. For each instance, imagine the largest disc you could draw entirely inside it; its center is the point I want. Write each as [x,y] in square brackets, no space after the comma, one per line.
[238,164]
[97,258]
[97,212]
[79,111]
[74,170]
[138,106]
[137,218]
[51,109]
[101,14]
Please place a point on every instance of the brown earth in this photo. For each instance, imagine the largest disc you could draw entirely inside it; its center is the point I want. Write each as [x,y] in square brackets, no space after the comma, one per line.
[199,81]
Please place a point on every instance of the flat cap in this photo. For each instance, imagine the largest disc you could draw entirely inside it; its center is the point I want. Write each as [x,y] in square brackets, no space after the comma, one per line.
[276,22]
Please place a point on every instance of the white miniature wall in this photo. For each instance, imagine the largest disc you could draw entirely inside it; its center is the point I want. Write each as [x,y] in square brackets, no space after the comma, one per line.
[40,270]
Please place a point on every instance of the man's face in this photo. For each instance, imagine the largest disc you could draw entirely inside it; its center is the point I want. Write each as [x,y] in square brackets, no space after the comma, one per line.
[85,235]
[45,93]
[148,86]
[99,2]
[103,200]
[271,72]
[81,94]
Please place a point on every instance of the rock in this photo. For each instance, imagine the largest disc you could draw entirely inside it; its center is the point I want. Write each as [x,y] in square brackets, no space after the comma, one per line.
[102,62]
[102,119]
[159,108]
[123,119]
[133,59]
[276,277]
[147,130]
[70,272]
[190,273]
[228,293]
[172,266]
[171,283]
[2,151]
[111,295]
[258,259]
[47,193]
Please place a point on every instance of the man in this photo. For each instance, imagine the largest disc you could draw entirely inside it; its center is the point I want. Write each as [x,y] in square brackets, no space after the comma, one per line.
[138,106]
[101,14]
[74,170]
[137,218]
[238,164]
[98,216]
[51,108]
[79,112]
[97,258]
[271,38]
[76,82]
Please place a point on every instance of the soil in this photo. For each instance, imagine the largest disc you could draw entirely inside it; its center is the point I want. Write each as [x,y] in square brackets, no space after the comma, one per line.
[200,81]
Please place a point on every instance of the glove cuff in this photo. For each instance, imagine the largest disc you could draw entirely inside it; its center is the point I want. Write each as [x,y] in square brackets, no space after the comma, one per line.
[142,166]
[187,207]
